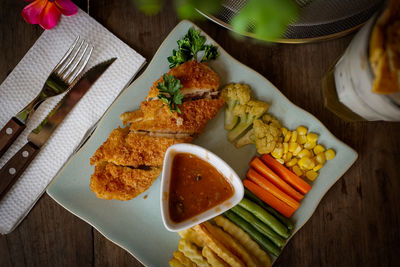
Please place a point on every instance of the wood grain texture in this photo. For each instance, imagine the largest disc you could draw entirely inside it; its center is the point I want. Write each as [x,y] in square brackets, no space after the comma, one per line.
[15,166]
[357,222]
[10,131]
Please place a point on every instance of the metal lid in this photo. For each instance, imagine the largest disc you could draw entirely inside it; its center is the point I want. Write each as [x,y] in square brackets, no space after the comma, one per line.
[319,19]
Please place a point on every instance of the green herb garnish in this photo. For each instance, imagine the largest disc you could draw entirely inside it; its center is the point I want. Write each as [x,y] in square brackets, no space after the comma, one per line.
[170,93]
[195,40]
[210,52]
[182,55]
[188,48]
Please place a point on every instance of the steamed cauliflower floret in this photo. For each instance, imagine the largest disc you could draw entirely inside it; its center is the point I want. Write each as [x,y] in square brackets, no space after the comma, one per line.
[266,136]
[247,113]
[271,120]
[239,110]
[234,94]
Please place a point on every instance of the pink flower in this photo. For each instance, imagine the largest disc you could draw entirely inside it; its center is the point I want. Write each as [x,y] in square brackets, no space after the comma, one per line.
[47,12]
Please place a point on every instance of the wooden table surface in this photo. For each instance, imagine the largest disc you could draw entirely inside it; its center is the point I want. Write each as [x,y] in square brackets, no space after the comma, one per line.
[357,221]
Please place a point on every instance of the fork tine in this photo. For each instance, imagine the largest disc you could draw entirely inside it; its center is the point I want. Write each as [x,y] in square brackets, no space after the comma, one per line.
[67,54]
[71,58]
[71,69]
[83,65]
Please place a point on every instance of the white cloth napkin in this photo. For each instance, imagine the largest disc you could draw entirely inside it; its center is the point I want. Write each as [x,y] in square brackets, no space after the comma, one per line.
[27,79]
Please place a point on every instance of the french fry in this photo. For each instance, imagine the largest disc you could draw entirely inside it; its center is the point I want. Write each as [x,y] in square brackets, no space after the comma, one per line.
[191,251]
[244,239]
[192,236]
[217,247]
[174,262]
[233,246]
[183,259]
[213,259]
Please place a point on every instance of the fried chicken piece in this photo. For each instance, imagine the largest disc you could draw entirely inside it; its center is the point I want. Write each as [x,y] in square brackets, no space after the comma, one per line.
[197,79]
[131,158]
[110,181]
[131,116]
[159,119]
[129,149]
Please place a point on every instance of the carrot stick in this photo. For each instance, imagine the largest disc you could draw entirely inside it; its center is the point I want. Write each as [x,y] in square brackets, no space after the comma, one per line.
[270,199]
[261,168]
[267,185]
[291,178]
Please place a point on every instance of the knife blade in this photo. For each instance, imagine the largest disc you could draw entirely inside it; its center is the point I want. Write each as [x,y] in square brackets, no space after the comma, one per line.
[14,168]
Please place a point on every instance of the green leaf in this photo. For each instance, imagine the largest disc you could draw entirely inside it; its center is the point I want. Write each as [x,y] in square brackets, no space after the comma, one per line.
[179,57]
[267,19]
[149,7]
[187,9]
[196,40]
[178,99]
[188,47]
[170,93]
[210,52]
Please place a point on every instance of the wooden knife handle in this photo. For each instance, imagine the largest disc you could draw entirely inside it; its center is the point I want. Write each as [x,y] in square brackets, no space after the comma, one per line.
[9,133]
[13,169]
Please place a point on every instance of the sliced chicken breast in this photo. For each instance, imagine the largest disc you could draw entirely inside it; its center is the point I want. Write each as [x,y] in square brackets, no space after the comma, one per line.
[157,118]
[134,150]
[131,158]
[110,181]
[131,116]
[198,81]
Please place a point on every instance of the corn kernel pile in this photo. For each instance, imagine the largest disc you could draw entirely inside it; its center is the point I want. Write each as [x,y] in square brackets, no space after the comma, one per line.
[300,151]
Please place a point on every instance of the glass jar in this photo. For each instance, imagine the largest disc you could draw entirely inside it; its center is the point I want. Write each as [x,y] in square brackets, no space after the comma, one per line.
[347,87]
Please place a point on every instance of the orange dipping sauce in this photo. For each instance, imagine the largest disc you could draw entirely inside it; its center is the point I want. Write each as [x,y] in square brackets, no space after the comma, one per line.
[196,186]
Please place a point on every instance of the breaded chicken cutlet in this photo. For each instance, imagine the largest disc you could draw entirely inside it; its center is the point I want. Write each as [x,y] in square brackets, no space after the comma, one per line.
[158,120]
[110,181]
[131,158]
[198,81]
[126,148]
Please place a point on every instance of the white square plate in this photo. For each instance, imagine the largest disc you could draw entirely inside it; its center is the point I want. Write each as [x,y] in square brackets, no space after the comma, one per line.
[136,225]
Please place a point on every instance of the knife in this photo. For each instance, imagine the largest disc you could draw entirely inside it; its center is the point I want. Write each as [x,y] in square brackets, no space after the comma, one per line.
[14,168]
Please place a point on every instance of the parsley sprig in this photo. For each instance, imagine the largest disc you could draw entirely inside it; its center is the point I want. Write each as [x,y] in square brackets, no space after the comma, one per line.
[210,52]
[170,93]
[188,48]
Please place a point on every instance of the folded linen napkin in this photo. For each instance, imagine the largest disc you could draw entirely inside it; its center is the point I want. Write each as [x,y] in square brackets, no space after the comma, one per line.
[27,79]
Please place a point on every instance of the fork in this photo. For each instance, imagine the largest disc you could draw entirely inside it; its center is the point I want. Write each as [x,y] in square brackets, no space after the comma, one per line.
[60,79]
